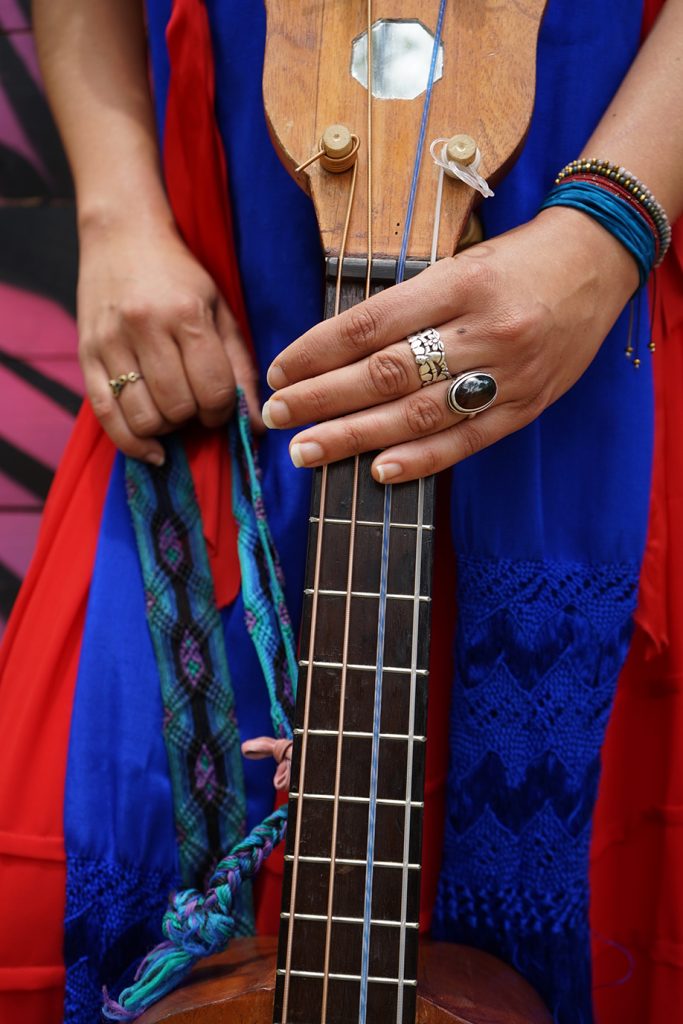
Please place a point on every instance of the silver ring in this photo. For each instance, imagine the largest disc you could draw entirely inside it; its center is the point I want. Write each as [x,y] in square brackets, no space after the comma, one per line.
[430,356]
[471,393]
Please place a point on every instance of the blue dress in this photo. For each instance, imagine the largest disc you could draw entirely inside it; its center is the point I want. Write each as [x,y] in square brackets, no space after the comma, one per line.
[545,592]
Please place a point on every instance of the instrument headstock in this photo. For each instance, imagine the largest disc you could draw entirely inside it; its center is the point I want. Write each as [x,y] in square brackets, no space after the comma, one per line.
[485,90]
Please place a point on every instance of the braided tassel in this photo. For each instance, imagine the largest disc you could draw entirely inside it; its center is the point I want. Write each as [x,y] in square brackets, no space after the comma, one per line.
[196,924]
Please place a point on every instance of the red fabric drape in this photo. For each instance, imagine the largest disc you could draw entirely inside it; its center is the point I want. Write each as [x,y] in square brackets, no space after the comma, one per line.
[637,851]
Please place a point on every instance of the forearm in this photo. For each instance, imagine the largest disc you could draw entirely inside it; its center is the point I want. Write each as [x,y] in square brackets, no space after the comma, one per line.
[93,58]
[642,128]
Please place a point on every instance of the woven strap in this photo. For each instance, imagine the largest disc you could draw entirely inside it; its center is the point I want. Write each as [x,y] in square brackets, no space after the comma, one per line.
[266,613]
[199,724]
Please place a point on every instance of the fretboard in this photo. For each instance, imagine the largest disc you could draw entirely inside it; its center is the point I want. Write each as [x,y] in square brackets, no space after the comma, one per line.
[348,939]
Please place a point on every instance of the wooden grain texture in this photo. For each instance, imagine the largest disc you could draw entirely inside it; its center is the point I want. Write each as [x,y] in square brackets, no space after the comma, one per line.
[457,985]
[486,91]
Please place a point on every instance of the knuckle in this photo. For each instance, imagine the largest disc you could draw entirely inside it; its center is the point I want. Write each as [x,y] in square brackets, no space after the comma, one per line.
[429,461]
[359,328]
[423,414]
[102,405]
[136,313]
[218,399]
[190,311]
[88,345]
[354,439]
[144,423]
[388,374]
[471,438]
[476,273]
[180,411]
[318,403]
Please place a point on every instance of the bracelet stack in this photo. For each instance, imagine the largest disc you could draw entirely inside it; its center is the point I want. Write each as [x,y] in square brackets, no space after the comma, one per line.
[623,205]
[622,183]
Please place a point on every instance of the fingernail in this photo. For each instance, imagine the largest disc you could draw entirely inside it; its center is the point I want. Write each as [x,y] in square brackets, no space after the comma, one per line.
[276,413]
[306,453]
[156,458]
[386,471]
[276,378]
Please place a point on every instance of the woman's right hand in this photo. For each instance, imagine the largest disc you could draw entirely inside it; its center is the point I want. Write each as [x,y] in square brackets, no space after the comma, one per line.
[146,306]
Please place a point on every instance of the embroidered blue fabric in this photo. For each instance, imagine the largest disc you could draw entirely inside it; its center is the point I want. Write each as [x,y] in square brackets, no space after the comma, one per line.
[539,648]
[113,915]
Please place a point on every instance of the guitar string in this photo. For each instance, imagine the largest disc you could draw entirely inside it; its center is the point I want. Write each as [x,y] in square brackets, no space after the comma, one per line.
[374,769]
[340,740]
[420,143]
[347,620]
[304,746]
[311,659]
[347,610]
[407,826]
[417,587]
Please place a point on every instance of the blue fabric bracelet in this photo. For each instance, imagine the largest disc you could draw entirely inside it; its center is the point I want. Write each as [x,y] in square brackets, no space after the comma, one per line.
[615,214]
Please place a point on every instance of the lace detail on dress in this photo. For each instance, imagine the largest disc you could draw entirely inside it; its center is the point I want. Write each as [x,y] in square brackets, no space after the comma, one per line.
[539,649]
[113,918]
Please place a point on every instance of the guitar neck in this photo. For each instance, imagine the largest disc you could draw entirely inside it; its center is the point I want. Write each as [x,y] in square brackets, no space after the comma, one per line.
[348,939]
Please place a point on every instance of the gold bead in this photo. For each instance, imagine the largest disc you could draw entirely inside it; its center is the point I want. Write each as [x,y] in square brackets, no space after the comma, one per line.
[651,346]
[636,364]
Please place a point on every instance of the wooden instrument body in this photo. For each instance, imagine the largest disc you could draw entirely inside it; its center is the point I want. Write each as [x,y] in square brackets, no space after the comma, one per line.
[457,985]
[487,92]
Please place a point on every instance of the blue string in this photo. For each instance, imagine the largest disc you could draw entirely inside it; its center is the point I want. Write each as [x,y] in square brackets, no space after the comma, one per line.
[374,771]
[400,270]
[615,214]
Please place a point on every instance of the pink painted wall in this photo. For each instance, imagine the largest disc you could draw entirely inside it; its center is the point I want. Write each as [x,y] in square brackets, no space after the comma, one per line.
[40,382]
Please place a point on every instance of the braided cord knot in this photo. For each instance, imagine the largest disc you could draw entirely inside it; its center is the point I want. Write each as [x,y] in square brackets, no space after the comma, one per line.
[197,924]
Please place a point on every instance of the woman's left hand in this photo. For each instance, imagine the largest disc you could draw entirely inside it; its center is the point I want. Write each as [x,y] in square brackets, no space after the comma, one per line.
[530,307]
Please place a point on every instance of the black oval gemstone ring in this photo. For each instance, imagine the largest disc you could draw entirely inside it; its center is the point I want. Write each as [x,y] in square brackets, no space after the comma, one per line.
[471,393]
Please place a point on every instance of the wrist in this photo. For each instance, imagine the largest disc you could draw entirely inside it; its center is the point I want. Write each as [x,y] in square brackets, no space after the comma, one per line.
[584,242]
[100,218]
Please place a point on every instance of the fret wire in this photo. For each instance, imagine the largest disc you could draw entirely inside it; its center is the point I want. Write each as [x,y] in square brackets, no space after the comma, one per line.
[374,763]
[339,919]
[353,861]
[340,739]
[355,734]
[304,662]
[409,764]
[347,977]
[371,522]
[304,742]
[367,593]
[381,801]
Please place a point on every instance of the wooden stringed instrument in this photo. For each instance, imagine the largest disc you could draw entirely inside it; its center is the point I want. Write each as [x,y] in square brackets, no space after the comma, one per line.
[348,945]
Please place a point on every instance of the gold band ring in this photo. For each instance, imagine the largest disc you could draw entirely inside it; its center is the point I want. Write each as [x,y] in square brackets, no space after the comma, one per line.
[117,384]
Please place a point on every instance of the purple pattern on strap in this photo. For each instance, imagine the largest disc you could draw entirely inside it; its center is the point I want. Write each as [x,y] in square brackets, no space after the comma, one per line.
[191,659]
[171,547]
[205,773]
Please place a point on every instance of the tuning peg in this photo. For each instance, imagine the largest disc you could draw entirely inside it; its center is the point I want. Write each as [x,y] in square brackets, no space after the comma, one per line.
[462,149]
[338,148]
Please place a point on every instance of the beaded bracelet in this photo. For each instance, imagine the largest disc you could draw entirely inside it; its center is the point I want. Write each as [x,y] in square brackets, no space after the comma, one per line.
[630,187]
[626,208]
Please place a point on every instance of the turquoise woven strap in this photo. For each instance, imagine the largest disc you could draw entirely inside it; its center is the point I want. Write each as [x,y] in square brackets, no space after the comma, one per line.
[200,729]
[266,613]
[199,726]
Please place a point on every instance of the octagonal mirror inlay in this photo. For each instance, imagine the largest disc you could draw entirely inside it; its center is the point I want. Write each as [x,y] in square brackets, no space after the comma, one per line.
[401,57]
